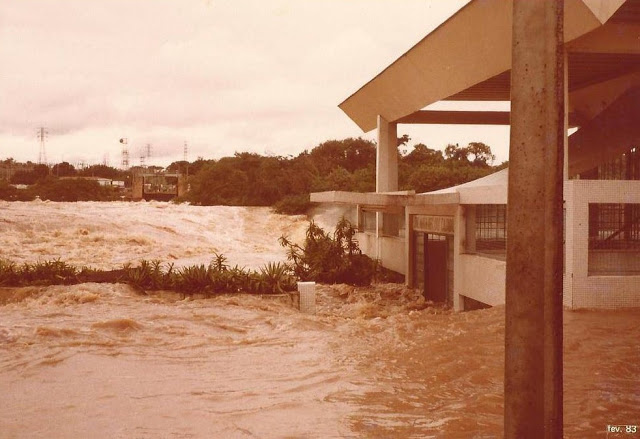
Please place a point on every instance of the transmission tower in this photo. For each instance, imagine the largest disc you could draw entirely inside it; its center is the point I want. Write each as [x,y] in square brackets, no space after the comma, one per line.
[42,136]
[125,153]
[186,151]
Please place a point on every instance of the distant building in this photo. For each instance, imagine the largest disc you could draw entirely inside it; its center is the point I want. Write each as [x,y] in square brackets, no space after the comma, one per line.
[158,186]
[100,180]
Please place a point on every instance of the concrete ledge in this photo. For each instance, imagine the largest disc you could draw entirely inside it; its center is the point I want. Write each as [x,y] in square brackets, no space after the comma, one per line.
[406,198]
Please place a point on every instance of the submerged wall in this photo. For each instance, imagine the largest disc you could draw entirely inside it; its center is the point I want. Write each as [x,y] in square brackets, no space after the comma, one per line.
[482,279]
[390,251]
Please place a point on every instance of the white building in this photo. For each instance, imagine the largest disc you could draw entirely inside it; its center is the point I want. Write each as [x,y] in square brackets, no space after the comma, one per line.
[451,243]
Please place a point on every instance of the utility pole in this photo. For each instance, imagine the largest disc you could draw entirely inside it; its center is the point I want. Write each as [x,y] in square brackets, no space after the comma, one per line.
[42,136]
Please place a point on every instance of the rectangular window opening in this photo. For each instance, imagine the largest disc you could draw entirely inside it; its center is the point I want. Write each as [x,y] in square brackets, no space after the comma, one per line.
[491,229]
[614,239]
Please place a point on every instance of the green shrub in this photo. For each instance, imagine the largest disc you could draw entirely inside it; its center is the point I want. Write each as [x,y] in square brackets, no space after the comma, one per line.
[275,278]
[54,272]
[8,272]
[54,189]
[293,205]
[330,259]
[216,278]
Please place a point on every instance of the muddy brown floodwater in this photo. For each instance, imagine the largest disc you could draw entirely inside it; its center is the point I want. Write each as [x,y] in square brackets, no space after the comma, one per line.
[104,361]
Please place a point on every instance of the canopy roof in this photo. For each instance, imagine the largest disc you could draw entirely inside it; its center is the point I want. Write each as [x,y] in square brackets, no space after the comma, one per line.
[468,58]
[491,189]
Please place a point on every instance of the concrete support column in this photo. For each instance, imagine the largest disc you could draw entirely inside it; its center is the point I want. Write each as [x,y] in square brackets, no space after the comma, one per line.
[387,156]
[565,119]
[533,326]
[459,239]
[409,250]
[470,228]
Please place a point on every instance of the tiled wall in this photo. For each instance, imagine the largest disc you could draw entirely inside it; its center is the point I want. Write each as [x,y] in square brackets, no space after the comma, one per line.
[580,289]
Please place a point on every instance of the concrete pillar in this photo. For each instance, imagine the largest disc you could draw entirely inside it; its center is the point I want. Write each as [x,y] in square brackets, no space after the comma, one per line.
[565,119]
[387,156]
[137,187]
[459,238]
[409,249]
[470,228]
[533,326]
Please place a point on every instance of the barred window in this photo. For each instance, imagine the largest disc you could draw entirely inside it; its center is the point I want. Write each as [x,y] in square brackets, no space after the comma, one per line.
[614,238]
[491,227]
[625,167]
[614,226]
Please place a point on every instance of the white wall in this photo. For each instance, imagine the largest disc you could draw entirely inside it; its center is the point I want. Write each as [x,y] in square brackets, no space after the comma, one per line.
[389,250]
[481,278]
[580,289]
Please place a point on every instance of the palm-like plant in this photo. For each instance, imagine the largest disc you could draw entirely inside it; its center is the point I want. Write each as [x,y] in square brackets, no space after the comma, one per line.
[275,277]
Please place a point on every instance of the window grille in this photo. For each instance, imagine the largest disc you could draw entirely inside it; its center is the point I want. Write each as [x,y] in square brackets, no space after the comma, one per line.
[614,239]
[614,226]
[625,167]
[491,227]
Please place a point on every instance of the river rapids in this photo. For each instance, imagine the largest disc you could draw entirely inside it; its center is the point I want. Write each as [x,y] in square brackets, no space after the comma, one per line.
[106,361]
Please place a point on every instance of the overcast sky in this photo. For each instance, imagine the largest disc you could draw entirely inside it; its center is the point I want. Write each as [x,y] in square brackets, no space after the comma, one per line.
[236,75]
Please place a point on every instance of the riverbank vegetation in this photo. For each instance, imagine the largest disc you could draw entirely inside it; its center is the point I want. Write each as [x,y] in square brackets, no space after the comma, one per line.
[341,165]
[55,189]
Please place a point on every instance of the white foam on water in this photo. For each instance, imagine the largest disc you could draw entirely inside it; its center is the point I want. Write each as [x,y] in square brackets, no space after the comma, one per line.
[108,235]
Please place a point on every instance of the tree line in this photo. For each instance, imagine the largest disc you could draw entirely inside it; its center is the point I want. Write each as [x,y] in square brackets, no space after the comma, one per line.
[251,179]
[345,165]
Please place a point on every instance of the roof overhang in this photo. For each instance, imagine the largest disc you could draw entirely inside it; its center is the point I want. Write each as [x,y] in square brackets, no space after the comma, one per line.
[468,57]
[383,201]
[468,118]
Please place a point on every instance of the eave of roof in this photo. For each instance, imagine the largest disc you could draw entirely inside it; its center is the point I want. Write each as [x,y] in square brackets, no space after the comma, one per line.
[458,55]
[382,200]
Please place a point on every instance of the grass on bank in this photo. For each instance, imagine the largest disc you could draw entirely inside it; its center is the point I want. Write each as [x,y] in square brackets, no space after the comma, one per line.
[212,279]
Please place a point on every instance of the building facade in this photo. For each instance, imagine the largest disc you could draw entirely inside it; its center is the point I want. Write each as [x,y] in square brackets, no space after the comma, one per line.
[452,243]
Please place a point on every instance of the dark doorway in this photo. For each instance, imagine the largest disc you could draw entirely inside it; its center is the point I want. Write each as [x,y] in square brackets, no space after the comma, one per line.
[431,274]
[436,253]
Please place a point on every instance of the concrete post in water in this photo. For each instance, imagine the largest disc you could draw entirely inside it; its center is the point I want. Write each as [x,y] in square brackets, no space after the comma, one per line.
[533,327]
[307,292]
[386,168]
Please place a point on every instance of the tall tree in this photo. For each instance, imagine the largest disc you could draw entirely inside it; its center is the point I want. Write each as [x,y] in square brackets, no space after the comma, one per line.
[63,169]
